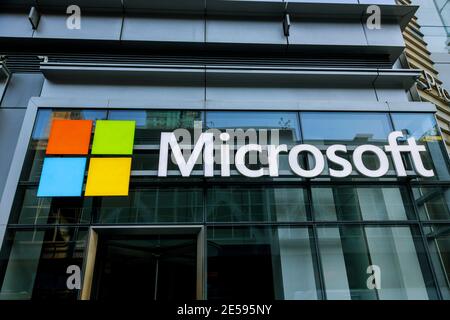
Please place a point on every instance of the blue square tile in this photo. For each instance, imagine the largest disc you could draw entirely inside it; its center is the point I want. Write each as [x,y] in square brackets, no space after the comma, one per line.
[62,177]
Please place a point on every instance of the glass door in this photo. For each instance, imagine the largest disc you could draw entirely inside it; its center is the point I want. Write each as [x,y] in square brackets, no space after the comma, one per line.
[144,264]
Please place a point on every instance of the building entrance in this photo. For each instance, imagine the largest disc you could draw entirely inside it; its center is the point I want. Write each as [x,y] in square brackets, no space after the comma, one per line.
[144,264]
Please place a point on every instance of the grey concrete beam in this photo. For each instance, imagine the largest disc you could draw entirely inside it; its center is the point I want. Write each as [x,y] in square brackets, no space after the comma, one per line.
[299,105]
[238,75]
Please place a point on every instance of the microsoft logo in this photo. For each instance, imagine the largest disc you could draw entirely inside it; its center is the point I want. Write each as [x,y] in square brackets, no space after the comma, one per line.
[66,158]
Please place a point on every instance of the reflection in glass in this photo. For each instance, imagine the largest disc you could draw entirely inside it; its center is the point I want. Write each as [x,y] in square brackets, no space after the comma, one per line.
[145,267]
[34,263]
[152,206]
[45,117]
[424,129]
[432,202]
[260,262]
[363,203]
[150,123]
[438,241]
[434,19]
[350,128]
[255,127]
[57,210]
[256,204]
[149,160]
[285,122]
[347,252]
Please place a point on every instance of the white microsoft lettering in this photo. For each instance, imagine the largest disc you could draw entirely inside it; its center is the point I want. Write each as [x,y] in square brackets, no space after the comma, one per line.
[361,167]
[169,139]
[318,160]
[345,164]
[240,161]
[205,142]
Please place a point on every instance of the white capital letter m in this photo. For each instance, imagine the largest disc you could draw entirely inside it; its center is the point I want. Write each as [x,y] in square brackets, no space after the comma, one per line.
[169,139]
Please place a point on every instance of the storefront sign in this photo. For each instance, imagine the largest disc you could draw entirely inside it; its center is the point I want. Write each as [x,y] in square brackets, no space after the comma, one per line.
[66,160]
[205,147]
[432,83]
[109,165]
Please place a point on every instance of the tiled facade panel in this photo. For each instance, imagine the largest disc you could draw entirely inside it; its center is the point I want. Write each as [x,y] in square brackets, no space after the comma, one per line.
[289,94]
[144,92]
[163,28]
[21,87]
[327,33]
[255,31]
[222,93]
[10,124]
[92,27]
[15,24]
[198,29]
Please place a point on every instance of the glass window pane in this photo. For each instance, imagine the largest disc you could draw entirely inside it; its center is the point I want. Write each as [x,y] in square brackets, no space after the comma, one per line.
[34,263]
[433,203]
[30,209]
[150,123]
[363,203]
[152,206]
[424,129]
[374,263]
[260,262]
[350,129]
[438,241]
[434,18]
[285,122]
[229,204]
[345,127]
[149,160]
[255,127]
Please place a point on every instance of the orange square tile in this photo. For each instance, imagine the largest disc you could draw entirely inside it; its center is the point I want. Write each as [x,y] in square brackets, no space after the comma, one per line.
[69,137]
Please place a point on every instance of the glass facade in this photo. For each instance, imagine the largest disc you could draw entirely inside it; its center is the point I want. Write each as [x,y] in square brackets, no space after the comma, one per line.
[434,20]
[275,238]
[346,251]
[35,264]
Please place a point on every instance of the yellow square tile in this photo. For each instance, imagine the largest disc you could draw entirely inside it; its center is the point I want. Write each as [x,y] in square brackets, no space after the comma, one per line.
[108,177]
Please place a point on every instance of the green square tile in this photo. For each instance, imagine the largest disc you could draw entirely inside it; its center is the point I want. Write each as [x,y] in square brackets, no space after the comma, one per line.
[113,137]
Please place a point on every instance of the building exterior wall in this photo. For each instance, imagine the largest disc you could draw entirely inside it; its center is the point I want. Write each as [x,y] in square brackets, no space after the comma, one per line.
[426,39]
[434,17]
[326,79]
